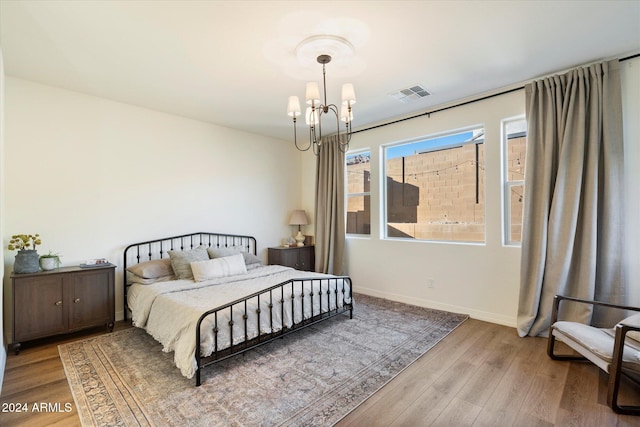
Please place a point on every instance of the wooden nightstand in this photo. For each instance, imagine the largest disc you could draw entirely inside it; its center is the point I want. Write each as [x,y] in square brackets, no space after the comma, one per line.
[299,257]
[61,301]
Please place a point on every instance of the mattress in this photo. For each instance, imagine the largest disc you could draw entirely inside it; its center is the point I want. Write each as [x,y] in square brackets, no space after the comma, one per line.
[169,311]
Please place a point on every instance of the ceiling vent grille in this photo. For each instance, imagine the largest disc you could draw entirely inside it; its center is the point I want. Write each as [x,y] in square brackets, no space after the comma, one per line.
[412,93]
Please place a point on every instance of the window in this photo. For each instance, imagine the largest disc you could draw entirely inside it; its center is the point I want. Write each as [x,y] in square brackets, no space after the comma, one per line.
[359,193]
[434,188]
[515,147]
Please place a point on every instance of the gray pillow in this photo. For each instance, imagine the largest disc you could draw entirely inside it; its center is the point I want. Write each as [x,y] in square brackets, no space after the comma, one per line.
[181,261]
[249,258]
[152,269]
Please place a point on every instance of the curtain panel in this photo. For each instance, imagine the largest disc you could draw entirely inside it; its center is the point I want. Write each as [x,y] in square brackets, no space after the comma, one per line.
[573,227]
[330,213]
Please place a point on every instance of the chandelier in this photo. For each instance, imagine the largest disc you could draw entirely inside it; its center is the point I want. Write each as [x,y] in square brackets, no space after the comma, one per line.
[316,110]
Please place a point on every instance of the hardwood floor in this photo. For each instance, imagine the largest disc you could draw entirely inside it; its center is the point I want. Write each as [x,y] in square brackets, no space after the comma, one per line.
[480,375]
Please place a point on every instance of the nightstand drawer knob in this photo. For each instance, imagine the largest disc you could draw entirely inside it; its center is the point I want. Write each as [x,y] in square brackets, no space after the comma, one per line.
[77,300]
[58,302]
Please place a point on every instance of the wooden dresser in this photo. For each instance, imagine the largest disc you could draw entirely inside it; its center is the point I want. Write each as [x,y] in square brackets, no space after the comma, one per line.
[60,301]
[299,257]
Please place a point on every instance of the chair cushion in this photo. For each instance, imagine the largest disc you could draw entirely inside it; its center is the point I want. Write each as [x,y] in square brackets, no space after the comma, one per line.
[597,341]
[633,321]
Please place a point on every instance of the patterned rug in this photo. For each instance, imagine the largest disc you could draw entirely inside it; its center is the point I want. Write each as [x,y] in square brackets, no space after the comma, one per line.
[313,377]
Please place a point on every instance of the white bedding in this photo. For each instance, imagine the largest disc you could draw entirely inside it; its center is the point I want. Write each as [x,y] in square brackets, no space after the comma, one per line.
[169,311]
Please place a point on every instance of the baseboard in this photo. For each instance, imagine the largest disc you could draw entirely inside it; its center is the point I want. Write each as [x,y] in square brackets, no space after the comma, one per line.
[474,314]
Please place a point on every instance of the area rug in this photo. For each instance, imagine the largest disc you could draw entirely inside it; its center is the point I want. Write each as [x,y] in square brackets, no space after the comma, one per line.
[311,378]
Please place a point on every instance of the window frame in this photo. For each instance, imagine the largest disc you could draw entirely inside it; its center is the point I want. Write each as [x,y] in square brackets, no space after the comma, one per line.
[347,195]
[507,185]
[383,223]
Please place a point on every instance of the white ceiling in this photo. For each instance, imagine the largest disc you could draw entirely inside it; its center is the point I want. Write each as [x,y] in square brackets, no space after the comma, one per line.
[231,62]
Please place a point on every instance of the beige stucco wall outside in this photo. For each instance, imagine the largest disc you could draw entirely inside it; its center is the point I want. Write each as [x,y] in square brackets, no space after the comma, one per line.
[435,197]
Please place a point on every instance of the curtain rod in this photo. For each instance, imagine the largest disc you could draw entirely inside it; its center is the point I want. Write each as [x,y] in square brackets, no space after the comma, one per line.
[471,101]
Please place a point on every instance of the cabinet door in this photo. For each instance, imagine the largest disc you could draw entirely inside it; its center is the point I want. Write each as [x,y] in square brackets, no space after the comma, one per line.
[39,308]
[91,299]
[288,257]
[306,258]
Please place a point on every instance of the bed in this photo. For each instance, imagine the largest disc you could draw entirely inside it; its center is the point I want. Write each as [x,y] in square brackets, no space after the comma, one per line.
[212,289]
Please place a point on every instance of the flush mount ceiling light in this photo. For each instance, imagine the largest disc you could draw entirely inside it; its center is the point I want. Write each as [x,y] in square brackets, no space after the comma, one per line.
[324,48]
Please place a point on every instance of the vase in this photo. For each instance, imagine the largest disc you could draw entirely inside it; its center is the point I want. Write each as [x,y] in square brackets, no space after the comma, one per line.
[49,263]
[27,261]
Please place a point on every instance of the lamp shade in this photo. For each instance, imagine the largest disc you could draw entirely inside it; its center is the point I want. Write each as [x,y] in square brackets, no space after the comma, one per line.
[298,217]
[348,94]
[293,108]
[313,93]
[311,116]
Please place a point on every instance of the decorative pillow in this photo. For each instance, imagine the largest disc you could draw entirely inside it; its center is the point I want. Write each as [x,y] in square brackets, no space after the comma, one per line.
[181,260]
[132,278]
[633,321]
[218,267]
[249,258]
[152,269]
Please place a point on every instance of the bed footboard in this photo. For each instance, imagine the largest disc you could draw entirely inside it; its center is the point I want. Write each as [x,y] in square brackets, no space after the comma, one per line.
[267,315]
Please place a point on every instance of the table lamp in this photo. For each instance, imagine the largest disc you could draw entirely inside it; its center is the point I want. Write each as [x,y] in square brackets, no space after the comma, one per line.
[299,217]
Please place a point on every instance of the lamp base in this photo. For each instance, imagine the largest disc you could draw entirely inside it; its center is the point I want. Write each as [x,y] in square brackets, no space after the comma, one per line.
[300,239]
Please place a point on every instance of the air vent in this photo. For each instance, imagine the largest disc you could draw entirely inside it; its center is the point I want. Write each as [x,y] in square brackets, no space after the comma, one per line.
[410,94]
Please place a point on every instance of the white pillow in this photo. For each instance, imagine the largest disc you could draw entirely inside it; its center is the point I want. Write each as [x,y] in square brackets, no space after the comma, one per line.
[218,267]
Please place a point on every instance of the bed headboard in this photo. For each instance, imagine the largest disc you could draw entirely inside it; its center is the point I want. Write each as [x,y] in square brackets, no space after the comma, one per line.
[159,248]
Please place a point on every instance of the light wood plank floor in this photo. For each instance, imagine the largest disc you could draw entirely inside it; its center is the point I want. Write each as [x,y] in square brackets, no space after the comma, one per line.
[480,375]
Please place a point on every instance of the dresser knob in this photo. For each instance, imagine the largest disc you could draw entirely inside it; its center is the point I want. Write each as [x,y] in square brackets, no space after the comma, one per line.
[58,302]
[77,300]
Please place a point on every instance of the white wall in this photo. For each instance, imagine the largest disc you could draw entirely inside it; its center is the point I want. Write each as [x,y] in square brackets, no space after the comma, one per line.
[121,174]
[3,349]
[92,176]
[481,280]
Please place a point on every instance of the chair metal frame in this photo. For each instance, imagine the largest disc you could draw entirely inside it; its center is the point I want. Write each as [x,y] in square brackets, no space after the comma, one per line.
[615,369]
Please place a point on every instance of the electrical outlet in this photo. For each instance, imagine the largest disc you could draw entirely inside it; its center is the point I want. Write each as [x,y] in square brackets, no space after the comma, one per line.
[430,283]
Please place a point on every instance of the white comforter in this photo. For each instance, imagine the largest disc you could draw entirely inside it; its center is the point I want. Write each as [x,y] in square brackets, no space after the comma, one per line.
[169,311]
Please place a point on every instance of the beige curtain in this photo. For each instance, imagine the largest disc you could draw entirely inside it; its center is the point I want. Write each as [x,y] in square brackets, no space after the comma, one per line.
[573,213]
[329,215]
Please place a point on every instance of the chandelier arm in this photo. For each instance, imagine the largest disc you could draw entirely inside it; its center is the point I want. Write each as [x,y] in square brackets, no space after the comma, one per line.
[295,137]
[343,146]
[336,112]
[312,136]
[318,138]
[315,119]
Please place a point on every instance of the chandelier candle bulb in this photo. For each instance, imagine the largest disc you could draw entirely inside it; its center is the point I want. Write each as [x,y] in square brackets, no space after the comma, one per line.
[346,115]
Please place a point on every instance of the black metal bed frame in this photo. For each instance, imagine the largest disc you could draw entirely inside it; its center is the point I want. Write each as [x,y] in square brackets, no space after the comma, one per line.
[272,297]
